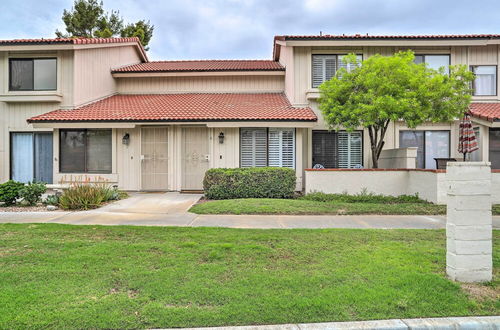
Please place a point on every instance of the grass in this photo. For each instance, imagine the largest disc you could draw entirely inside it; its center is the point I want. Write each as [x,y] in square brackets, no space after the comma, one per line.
[303,206]
[63,276]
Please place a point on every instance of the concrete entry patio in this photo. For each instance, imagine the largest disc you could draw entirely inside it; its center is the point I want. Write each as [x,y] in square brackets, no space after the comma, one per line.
[146,209]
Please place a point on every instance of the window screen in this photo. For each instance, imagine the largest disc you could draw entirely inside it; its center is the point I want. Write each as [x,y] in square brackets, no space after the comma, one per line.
[85,151]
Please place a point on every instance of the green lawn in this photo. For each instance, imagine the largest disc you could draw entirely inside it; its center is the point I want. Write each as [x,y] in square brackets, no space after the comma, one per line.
[302,206]
[62,276]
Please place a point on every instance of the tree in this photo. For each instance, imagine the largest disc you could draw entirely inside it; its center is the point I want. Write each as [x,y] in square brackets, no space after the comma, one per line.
[393,88]
[142,30]
[87,18]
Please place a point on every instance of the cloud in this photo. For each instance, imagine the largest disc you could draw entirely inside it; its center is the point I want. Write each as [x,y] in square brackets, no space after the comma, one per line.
[192,29]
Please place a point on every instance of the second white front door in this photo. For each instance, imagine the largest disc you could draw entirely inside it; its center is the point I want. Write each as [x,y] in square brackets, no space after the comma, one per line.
[195,157]
[154,158]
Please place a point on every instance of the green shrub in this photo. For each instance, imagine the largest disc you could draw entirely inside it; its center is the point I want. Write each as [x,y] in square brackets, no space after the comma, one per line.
[362,197]
[32,192]
[259,182]
[84,196]
[9,192]
[52,200]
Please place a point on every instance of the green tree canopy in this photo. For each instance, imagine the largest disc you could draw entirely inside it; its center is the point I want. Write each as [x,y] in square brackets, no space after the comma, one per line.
[393,88]
[87,18]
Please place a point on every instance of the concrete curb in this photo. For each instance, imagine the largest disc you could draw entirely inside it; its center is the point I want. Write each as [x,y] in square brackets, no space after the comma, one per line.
[455,323]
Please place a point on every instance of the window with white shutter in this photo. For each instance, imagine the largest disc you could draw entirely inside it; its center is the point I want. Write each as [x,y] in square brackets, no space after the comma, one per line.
[323,68]
[350,149]
[282,147]
[267,147]
[253,149]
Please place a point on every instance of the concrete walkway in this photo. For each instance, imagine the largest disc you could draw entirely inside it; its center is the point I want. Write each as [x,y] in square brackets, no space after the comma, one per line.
[171,209]
[469,323]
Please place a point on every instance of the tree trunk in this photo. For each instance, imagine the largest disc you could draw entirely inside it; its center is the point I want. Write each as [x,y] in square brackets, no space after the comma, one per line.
[377,135]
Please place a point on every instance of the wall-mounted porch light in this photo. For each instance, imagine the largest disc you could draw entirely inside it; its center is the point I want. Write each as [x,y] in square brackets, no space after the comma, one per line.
[126,139]
[221,137]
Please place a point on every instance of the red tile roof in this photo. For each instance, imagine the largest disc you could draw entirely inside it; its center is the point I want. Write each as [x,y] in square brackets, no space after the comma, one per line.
[183,107]
[367,36]
[486,111]
[74,41]
[203,66]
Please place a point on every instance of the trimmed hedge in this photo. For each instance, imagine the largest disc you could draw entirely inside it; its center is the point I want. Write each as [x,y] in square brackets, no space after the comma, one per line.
[257,182]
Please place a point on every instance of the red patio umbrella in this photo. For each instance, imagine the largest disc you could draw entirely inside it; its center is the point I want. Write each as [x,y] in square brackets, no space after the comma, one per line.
[467,142]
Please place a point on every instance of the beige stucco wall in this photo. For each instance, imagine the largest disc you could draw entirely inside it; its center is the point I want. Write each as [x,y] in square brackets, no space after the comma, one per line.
[429,185]
[202,84]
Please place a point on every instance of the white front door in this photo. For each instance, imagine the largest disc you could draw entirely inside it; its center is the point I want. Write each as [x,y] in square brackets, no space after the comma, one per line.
[195,157]
[154,158]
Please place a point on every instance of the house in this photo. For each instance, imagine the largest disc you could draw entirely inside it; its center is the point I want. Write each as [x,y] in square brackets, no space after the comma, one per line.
[85,107]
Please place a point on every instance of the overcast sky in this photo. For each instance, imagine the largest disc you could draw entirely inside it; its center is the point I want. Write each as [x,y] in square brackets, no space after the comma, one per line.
[244,29]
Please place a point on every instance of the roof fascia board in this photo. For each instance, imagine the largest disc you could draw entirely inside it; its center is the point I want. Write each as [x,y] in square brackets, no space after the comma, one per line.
[291,123]
[139,49]
[199,73]
[405,42]
[484,122]
[88,124]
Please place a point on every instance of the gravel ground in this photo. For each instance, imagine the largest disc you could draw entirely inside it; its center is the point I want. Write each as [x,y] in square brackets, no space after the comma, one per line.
[38,208]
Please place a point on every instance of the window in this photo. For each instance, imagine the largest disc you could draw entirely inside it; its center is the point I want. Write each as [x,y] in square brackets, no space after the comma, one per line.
[281,147]
[485,83]
[430,144]
[325,66]
[262,147]
[27,74]
[337,149]
[31,157]
[494,151]
[85,151]
[434,61]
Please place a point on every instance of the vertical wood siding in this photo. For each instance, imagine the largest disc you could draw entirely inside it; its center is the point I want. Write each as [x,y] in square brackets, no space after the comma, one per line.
[483,55]
[93,79]
[226,155]
[228,84]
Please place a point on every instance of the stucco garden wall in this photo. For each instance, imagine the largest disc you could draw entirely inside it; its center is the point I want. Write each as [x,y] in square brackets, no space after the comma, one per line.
[428,184]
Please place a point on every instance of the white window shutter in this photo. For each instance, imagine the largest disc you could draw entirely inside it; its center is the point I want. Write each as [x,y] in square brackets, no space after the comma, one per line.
[253,149]
[282,147]
[350,149]
[323,68]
